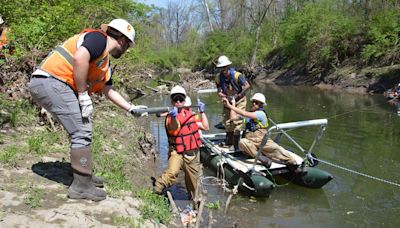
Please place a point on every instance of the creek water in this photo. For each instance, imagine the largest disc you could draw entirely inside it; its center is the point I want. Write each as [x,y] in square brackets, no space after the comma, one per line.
[363,134]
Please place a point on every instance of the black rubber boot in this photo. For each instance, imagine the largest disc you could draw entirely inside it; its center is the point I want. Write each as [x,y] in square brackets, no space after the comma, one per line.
[235,143]
[83,188]
[265,161]
[98,181]
[228,140]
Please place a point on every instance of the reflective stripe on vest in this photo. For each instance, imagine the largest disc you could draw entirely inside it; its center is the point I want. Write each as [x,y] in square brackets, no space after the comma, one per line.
[59,64]
[187,137]
[254,124]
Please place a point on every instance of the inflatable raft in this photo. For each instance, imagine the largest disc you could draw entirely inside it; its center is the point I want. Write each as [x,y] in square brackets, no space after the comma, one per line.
[252,177]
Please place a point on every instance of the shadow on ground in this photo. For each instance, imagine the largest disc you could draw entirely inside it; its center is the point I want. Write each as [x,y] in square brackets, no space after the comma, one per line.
[60,172]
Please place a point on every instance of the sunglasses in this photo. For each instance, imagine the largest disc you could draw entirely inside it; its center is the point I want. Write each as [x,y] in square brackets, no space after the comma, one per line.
[177,98]
[256,102]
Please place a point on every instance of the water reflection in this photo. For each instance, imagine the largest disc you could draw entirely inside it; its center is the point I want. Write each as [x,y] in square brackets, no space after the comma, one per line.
[362,134]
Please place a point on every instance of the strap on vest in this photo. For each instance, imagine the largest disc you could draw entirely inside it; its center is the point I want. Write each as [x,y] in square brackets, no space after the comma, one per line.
[233,80]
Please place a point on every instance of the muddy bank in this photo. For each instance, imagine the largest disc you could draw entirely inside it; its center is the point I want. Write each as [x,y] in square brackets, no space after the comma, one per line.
[35,171]
[351,77]
[34,184]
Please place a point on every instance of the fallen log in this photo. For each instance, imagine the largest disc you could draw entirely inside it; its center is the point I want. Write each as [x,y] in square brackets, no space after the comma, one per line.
[167,82]
[152,89]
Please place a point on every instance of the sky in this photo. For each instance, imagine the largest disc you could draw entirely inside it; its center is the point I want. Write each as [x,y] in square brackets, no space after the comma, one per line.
[159,3]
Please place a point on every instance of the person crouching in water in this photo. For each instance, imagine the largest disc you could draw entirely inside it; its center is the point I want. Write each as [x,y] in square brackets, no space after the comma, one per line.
[256,123]
[184,141]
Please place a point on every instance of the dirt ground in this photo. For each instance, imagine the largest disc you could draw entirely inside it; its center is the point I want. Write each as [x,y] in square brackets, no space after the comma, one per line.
[48,179]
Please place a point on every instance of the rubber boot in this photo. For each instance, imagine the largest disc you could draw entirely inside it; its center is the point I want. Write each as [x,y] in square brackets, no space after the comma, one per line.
[98,181]
[265,161]
[228,140]
[158,187]
[82,186]
[235,143]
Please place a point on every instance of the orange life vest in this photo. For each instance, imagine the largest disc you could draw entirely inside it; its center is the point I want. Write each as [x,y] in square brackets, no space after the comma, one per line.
[3,38]
[59,64]
[187,136]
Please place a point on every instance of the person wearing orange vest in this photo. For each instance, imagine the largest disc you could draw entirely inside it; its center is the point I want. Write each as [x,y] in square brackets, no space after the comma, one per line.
[3,36]
[182,126]
[4,43]
[231,85]
[63,83]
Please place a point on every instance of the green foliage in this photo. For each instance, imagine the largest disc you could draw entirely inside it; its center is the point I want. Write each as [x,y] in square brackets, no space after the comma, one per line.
[33,197]
[154,206]
[127,221]
[235,44]
[39,141]
[37,144]
[213,205]
[40,25]
[383,33]
[9,155]
[111,167]
[318,33]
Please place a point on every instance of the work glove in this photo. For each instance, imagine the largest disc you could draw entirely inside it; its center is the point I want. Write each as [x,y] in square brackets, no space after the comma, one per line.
[238,97]
[202,107]
[173,112]
[137,110]
[86,104]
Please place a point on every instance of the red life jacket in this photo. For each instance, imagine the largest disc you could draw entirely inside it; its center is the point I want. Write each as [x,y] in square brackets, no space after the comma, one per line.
[187,137]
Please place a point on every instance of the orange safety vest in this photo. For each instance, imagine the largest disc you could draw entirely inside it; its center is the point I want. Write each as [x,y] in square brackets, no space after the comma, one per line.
[59,64]
[187,136]
[3,38]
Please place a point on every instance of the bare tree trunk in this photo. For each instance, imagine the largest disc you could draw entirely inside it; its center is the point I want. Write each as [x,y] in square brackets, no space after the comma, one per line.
[243,13]
[368,9]
[254,57]
[258,14]
[222,13]
[177,28]
[208,15]
[274,24]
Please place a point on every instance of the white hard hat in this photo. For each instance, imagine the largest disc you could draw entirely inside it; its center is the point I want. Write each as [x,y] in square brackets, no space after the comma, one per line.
[258,97]
[1,20]
[223,61]
[178,89]
[123,27]
[188,101]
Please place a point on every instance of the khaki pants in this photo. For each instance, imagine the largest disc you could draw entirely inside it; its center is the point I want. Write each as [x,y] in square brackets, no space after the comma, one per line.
[234,126]
[271,149]
[176,162]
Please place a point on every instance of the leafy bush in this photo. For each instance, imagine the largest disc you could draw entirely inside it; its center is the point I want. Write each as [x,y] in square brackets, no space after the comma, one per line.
[43,24]
[235,44]
[318,33]
[383,33]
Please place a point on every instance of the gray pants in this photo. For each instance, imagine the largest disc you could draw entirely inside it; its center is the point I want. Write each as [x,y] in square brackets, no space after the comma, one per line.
[61,101]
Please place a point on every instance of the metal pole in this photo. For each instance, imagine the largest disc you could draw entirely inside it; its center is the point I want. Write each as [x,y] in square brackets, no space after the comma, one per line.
[158,136]
[286,134]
